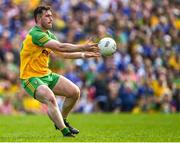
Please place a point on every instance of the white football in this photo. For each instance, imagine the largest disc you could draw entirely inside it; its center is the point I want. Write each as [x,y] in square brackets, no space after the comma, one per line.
[107,46]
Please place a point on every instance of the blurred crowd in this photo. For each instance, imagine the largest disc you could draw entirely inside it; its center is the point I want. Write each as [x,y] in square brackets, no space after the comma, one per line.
[142,76]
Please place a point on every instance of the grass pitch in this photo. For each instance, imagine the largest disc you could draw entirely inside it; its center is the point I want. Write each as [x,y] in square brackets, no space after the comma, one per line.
[93,128]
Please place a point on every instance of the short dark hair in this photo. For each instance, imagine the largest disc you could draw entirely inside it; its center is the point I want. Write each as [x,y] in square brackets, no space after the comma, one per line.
[39,10]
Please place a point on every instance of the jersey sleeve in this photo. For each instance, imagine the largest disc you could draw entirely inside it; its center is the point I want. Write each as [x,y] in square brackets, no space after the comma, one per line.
[53,36]
[40,38]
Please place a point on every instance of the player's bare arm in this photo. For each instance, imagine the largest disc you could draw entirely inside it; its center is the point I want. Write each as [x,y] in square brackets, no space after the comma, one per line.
[76,55]
[67,47]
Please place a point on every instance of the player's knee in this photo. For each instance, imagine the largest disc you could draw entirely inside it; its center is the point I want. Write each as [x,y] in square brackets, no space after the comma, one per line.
[52,100]
[76,93]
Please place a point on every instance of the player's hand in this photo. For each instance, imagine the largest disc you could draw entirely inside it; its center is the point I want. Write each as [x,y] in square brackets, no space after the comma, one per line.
[91,54]
[90,46]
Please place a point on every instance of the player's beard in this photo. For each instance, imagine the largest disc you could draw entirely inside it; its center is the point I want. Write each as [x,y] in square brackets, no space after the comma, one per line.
[46,25]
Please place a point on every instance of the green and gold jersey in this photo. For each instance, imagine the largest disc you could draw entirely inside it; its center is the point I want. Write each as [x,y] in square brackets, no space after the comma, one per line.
[34,58]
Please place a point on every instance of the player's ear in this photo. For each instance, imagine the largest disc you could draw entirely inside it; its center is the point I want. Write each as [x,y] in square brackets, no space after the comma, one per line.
[38,17]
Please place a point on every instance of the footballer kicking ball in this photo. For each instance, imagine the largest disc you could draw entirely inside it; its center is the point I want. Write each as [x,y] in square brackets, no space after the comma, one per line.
[107,46]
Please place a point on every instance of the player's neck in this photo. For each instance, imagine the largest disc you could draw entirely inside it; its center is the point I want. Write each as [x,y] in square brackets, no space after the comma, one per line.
[42,28]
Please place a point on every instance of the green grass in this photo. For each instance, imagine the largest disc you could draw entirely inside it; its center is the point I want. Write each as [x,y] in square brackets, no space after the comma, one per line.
[93,128]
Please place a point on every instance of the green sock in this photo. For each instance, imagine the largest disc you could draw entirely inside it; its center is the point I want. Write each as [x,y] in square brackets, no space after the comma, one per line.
[65,131]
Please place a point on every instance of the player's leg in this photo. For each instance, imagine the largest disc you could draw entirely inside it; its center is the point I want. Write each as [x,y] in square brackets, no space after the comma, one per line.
[45,95]
[65,87]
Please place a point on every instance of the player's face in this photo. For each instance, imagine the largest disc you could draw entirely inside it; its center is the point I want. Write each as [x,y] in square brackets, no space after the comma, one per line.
[47,19]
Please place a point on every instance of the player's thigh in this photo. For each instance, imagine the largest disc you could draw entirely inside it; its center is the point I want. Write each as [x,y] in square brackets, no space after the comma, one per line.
[44,94]
[65,87]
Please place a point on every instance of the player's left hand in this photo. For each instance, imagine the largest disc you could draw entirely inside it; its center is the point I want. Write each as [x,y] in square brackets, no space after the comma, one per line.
[90,46]
[91,54]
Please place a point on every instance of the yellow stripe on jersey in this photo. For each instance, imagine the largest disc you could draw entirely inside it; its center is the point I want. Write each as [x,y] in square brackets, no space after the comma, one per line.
[43,39]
